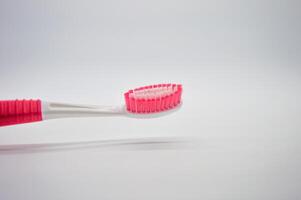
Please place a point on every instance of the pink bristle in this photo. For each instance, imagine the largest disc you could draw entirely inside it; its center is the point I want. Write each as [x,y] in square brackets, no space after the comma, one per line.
[127,101]
[172,101]
[163,102]
[158,104]
[148,105]
[167,102]
[132,105]
[144,105]
[153,98]
[139,105]
[152,105]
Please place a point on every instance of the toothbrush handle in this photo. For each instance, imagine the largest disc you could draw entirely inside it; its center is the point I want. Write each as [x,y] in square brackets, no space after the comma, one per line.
[20,111]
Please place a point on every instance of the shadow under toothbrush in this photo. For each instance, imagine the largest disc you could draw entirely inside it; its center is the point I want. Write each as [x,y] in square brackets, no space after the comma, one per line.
[135,144]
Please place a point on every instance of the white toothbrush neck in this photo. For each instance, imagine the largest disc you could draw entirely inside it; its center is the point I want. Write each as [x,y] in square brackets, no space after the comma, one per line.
[53,110]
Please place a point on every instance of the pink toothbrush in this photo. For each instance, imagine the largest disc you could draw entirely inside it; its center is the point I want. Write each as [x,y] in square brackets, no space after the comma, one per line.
[143,102]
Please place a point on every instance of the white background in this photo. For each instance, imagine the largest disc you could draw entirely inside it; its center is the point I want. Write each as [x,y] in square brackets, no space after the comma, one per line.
[236,136]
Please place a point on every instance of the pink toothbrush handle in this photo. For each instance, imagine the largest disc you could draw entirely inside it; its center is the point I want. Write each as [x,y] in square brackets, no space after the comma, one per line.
[20,111]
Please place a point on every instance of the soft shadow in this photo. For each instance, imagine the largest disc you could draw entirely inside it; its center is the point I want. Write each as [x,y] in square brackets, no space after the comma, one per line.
[150,143]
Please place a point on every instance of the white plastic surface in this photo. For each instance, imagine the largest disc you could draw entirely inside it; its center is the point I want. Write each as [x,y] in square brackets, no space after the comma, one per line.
[53,110]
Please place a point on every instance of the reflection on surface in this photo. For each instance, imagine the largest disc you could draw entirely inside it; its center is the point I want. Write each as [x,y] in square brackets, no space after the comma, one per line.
[150,143]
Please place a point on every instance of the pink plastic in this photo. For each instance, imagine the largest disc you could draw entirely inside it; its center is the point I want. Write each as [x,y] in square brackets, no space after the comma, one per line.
[20,111]
[153,104]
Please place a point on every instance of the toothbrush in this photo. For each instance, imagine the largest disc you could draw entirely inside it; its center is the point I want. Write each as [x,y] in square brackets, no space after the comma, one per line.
[144,102]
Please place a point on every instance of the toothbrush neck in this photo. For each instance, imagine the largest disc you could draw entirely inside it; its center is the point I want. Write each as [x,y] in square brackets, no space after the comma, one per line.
[52,110]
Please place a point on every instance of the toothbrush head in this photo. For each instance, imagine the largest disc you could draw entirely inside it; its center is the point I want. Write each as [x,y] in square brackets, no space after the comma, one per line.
[153,98]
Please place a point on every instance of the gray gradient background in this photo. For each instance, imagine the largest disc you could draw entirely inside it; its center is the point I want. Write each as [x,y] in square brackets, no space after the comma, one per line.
[237,135]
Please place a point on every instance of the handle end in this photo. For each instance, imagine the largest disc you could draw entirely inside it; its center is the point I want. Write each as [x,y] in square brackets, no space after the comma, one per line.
[20,111]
